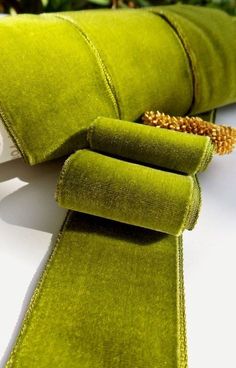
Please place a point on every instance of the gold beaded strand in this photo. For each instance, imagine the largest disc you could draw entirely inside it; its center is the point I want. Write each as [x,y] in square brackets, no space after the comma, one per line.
[223,137]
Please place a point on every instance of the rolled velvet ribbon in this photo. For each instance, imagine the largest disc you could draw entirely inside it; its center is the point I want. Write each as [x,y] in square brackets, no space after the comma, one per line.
[112,292]
[186,153]
[107,187]
[72,67]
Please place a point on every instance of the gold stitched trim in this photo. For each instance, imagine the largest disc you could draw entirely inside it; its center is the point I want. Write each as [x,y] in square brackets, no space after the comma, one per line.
[106,75]
[190,55]
[223,137]
[182,353]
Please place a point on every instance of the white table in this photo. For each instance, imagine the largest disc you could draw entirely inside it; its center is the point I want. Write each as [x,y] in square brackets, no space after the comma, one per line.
[30,220]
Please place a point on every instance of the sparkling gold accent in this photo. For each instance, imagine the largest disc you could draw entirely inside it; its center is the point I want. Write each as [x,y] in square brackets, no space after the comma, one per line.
[223,137]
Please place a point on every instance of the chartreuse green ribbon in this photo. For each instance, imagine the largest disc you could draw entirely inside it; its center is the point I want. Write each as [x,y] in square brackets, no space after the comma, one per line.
[60,71]
[112,292]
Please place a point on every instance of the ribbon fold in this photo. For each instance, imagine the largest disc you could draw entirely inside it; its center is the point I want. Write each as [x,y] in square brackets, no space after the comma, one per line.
[112,292]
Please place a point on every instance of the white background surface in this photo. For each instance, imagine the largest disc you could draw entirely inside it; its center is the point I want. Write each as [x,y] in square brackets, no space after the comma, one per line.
[30,220]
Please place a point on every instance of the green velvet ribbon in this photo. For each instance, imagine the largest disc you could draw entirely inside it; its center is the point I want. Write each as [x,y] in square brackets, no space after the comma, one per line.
[60,71]
[161,148]
[112,292]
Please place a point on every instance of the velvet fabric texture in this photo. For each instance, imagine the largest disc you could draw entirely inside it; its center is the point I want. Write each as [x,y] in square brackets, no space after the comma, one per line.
[111,296]
[72,67]
[160,147]
[112,292]
[126,192]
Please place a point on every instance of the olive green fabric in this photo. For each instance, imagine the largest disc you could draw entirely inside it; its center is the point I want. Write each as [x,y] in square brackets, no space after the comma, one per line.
[72,67]
[186,153]
[112,293]
[126,192]
[110,297]
[211,52]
